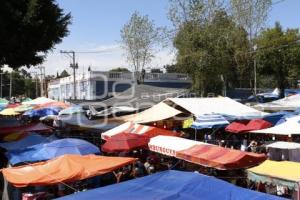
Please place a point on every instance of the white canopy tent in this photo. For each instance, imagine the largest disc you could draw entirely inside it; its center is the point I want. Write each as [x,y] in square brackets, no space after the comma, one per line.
[219,105]
[157,112]
[290,127]
[38,101]
[284,151]
[169,145]
[284,145]
[288,103]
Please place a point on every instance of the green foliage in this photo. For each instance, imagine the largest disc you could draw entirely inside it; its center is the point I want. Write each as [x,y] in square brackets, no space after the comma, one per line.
[63,74]
[213,53]
[172,68]
[139,39]
[119,69]
[278,54]
[28,30]
[156,70]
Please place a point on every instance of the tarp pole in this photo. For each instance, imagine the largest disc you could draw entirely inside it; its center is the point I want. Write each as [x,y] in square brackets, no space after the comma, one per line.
[195,135]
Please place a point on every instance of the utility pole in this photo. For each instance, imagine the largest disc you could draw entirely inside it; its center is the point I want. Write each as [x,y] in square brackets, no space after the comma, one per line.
[42,71]
[74,66]
[255,80]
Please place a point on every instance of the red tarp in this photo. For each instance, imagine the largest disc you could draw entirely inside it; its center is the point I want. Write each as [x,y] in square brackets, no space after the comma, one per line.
[67,168]
[138,129]
[252,125]
[33,127]
[125,142]
[52,104]
[220,157]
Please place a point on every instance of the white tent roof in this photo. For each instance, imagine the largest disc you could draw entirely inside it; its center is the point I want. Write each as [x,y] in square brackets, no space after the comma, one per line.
[290,127]
[169,145]
[284,145]
[38,101]
[220,105]
[288,103]
[157,112]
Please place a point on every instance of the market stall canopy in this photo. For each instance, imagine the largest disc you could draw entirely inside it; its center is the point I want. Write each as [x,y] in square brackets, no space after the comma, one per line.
[219,157]
[132,128]
[283,173]
[288,103]
[58,104]
[32,127]
[67,168]
[246,126]
[225,106]
[42,112]
[209,121]
[27,141]
[9,112]
[125,142]
[38,101]
[274,118]
[22,108]
[289,151]
[169,145]
[284,145]
[290,127]
[172,185]
[3,101]
[204,154]
[157,112]
[49,150]
[71,110]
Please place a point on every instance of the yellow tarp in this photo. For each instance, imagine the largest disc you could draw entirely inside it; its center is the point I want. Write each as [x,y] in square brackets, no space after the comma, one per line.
[285,170]
[9,111]
[187,123]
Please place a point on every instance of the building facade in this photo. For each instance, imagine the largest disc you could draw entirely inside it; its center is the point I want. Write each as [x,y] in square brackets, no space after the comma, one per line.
[97,85]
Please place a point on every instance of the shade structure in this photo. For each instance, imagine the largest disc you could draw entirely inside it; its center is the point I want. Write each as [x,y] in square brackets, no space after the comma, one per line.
[22,108]
[67,168]
[3,101]
[225,106]
[132,128]
[9,112]
[204,154]
[169,145]
[158,112]
[288,128]
[284,173]
[209,121]
[57,104]
[273,118]
[284,145]
[71,110]
[42,112]
[52,149]
[29,140]
[125,142]
[219,157]
[288,103]
[246,126]
[172,185]
[13,105]
[32,127]
[38,101]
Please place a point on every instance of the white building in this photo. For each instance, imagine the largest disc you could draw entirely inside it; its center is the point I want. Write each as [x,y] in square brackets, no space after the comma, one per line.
[98,85]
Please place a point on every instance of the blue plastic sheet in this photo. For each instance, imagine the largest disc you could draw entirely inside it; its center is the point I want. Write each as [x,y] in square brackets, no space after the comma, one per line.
[172,185]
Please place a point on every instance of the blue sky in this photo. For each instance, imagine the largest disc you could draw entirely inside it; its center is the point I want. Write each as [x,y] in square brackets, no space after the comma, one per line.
[97,23]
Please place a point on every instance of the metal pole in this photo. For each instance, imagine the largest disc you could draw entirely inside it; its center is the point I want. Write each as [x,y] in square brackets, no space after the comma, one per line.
[10,85]
[1,85]
[255,86]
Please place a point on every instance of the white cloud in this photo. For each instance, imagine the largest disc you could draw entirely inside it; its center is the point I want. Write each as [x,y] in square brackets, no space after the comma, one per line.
[102,58]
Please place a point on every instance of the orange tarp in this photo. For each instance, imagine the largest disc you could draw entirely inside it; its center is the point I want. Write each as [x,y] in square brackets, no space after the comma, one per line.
[53,104]
[67,168]
[220,157]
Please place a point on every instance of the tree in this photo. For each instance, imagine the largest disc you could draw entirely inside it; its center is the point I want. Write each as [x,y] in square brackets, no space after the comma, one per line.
[29,29]
[171,68]
[156,70]
[140,37]
[63,74]
[278,55]
[119,69]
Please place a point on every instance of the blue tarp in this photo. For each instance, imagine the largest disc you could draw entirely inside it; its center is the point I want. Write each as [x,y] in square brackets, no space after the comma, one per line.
[209,121]
[42,112]
[29,140]
[273,118]
[51,150]
[172,185]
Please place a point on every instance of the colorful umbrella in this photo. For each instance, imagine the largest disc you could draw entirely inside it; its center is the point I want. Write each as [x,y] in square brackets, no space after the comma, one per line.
[9,112]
